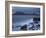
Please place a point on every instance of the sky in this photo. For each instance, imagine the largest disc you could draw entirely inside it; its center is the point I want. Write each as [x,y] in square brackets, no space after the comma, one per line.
[27,10]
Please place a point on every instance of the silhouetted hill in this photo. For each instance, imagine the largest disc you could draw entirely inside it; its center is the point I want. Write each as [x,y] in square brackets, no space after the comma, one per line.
[18,13]
[23,13]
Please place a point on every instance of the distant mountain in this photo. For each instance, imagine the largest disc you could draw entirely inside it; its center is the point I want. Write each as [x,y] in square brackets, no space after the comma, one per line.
[23,13]
[18,13]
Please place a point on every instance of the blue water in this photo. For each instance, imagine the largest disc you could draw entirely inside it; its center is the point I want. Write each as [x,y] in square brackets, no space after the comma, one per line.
[19,21]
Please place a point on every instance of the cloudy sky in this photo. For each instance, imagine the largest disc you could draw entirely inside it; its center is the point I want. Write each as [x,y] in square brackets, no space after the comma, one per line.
[27,10]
